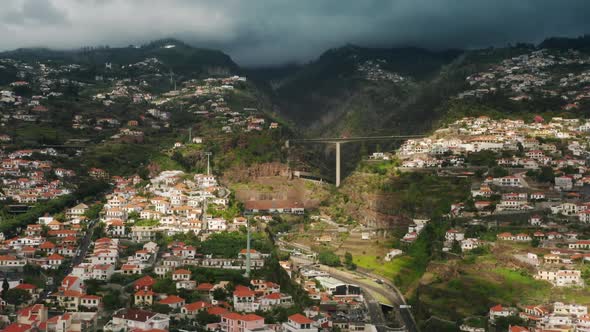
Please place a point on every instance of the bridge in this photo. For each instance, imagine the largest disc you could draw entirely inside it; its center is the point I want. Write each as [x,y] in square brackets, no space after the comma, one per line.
[341,140]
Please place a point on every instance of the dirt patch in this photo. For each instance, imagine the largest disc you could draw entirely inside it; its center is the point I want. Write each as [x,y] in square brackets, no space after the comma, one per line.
[280,188]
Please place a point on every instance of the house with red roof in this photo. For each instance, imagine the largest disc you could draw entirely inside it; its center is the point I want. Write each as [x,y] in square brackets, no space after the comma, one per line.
[205,287]
[173,301]
[31,289]
[216,311]
[181,274]
[192,309]
[145,283]
[580,244]
[264,287]
[54,261]
[244,299]
[299,323]
[17,327]
[11,261]
[32,315]
[136,319]
[131,269]
[501,311]
[505,236]
[144,297]
[72,283]
[74,300]
[234,322]
[273,300]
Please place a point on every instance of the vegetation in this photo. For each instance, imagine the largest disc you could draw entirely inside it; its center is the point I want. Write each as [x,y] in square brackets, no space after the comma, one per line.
[229,244]
[88,190]
[328,258]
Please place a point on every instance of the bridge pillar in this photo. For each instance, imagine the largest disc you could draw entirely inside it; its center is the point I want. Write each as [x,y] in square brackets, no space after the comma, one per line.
[337,164]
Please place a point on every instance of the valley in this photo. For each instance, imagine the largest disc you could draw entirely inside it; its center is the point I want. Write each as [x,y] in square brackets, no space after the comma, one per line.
[156,181]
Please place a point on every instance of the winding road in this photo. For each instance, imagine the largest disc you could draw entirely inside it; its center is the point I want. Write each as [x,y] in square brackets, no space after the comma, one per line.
[375,293]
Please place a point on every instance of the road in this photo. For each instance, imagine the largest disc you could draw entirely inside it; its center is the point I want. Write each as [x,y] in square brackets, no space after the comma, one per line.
[375,293]
[385,293]
[77,259]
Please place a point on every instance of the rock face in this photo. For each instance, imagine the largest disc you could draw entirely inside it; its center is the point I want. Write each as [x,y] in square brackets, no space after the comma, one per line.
[372,208]
[237,174]
[376,211]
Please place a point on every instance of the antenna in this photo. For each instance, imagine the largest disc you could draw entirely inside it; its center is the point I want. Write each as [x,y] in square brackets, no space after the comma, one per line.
[208,154]
[248,248]
[204,221]
[172,80]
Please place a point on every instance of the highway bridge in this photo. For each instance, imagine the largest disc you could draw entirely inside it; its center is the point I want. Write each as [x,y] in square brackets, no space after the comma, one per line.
[341,140]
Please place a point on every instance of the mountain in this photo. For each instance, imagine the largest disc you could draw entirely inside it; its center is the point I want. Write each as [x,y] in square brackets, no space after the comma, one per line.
[178,56]
[352,89]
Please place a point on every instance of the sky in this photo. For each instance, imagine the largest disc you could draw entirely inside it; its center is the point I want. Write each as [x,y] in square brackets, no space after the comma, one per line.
[269,32]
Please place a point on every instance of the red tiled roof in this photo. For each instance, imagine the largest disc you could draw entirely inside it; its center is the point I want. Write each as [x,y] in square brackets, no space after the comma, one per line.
[182,271]
[144,281]
[251,317]
[205,287]
[144,293]
[135,315]
[16,327]
[55,257]
[273,296]
[196,306]
[216,311]
[172,299]
[300,319]
[47,245]
[244,292]
[129,267]
[25,286]
[497,308]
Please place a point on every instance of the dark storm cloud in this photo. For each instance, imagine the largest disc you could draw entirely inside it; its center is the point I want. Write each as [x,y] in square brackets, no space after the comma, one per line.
[275,31]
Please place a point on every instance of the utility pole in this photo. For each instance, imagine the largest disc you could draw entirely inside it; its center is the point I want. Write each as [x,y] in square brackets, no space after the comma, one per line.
[172,80]
[248,248]
[337,164]
[190,130]
[208,154]
[204,221]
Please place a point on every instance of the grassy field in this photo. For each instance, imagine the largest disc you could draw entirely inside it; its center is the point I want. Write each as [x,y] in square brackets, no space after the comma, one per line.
[486,282]
[389,270]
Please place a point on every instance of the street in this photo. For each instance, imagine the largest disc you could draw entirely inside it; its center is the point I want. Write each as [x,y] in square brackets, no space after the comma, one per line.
[375,293]
[77,259]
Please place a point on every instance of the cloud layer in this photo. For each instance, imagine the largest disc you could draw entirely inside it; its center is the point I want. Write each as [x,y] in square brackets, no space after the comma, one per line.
[258,32]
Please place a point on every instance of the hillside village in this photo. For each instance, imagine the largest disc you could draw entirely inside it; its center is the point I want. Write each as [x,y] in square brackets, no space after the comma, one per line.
[530,177]
[534,75]
[120,212]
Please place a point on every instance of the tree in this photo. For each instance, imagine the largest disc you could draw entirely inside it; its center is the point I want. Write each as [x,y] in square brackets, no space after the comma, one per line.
[16,296]
[348,262]
[219,294]
[498,172]
[456,247]
[5,287]
[204,318]
[99,231]
[329,258]
[161,308]
[133,215]
[165,286]
[546,174]
[111,300]
[502,323]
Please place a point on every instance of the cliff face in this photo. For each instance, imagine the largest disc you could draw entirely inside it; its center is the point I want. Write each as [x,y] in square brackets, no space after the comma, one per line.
[369,206]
